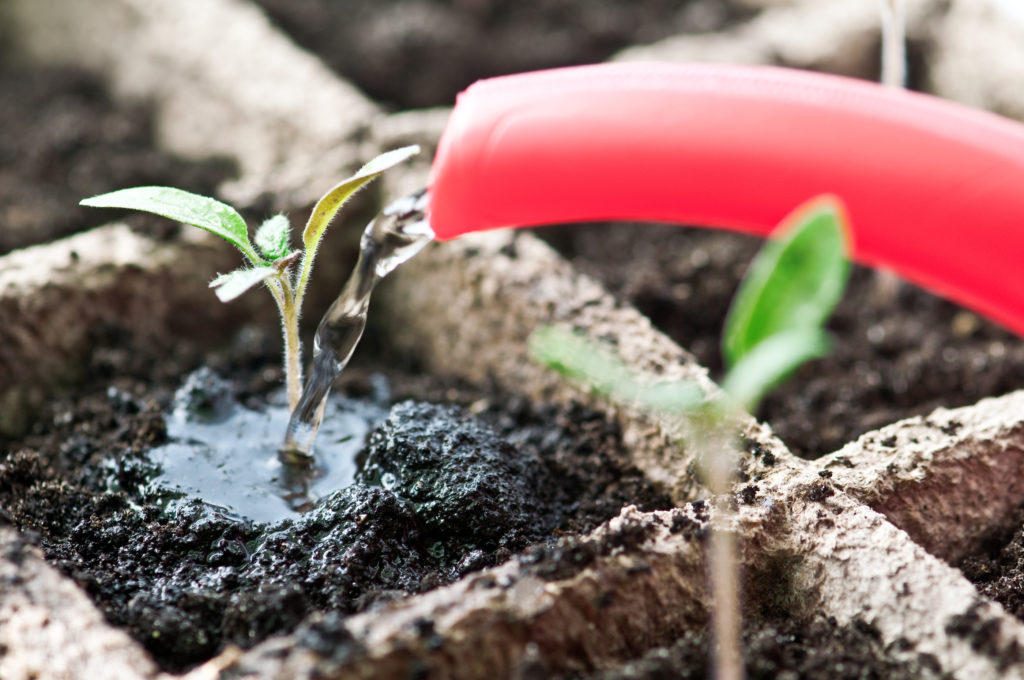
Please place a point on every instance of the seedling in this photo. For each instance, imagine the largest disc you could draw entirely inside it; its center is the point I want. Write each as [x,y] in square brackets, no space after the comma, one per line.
[269,261]
[774,325]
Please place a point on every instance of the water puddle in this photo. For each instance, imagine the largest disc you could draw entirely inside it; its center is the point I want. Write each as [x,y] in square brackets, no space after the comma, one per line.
[227,455]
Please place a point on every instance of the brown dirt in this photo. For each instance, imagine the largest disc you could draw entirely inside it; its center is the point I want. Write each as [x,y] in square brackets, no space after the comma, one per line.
[818,649]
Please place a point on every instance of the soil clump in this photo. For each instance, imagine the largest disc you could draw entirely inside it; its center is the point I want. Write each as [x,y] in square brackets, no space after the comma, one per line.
[441,491]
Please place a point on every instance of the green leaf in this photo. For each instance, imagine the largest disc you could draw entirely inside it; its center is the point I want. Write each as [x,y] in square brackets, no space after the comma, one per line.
[183,206]
[794,282]
[328,206]
[576,357]
[272,238]
[231,285]
[770,362]
[671,397]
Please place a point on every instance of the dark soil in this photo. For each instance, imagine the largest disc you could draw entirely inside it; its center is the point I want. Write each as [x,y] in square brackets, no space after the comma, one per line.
[62,139]
[441,491]
[819,649]
[892,358]
[416,53]
[998,573]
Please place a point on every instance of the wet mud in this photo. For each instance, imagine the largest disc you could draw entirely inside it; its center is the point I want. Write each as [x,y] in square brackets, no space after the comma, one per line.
[440,491]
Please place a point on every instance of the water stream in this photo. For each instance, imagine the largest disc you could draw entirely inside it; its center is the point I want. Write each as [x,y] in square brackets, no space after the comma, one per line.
[398,233]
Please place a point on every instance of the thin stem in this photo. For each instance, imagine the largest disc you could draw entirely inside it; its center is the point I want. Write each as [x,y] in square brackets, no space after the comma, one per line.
[305,267]
[894,49]
[292,346]
[894,74]
[281,290]
[723,567]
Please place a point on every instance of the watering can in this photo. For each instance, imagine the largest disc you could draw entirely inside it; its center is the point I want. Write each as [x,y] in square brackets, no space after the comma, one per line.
[933,190]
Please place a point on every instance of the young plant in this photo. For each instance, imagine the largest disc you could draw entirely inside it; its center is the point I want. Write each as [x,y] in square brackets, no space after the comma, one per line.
[774,325]
[269,261]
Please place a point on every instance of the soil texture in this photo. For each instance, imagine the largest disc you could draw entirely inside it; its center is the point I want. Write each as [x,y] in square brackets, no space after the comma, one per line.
[898,351]
[62,138]
[417,53]
[816,650]
[998,573]
[441,491]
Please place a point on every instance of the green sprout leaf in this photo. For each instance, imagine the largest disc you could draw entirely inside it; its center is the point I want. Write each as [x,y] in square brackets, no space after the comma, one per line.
[272,238]
[328,206]
[578,358]
[770,362]
[671,397]
[231,285]
[183,206]
[794,282]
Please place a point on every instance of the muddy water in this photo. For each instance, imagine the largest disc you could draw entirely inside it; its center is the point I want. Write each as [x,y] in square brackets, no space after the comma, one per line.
[437,493]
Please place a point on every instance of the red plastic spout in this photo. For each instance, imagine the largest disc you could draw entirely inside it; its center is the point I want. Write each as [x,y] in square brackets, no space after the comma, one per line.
[934,190]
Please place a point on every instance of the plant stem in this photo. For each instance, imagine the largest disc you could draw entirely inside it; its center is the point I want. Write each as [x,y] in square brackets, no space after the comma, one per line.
[292,347]
[894,50]
[280,288]
[894,74]
[723,564]
[305,267]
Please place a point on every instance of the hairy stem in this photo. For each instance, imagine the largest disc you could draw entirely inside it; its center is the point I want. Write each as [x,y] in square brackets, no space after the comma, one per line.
[305,267]
[292,347]
[281,289]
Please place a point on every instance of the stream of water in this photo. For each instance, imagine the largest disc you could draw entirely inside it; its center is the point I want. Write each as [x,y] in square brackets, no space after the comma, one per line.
[398,233]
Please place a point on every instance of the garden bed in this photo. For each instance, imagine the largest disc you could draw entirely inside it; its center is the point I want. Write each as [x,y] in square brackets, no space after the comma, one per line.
[847,551]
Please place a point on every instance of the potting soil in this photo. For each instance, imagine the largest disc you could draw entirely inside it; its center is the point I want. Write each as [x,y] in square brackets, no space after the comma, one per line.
[438,493]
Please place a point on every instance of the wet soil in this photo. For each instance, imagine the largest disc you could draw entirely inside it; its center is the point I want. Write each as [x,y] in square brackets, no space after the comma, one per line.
[441,490]
[62,138]
[894,356]
[416,53]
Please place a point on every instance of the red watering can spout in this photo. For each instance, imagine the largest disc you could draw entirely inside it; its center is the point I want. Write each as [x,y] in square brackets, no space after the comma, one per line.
[934,190]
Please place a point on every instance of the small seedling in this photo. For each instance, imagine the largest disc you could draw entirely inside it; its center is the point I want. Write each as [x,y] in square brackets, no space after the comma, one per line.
[774,325]
[270,259]
[775,322]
